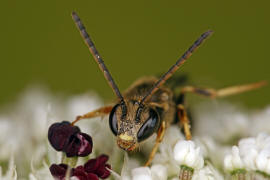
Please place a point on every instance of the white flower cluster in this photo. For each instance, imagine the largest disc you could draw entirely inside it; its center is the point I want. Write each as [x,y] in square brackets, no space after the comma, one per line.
[188,155]
[252,154]
[24,130]
[184,153]
[224,122]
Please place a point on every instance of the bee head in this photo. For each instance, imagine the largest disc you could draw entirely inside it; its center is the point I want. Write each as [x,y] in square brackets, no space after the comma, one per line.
[132,123]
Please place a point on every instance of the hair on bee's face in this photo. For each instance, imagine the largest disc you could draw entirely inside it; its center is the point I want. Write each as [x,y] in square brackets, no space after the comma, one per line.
[130,132]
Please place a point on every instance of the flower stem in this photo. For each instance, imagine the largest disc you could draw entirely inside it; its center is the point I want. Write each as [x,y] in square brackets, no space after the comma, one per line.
[69,161]
[185,173]
[239,174]
[263,174]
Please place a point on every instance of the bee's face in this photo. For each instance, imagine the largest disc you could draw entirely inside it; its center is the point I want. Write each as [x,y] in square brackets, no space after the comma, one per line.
[132,124]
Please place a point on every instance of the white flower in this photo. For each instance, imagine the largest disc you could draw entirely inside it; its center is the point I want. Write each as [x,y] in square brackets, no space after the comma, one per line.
[207,173]
[185,153]
[141,173]
[263,161]
[131,171]
[173,135]
[127,167]
[11,173]
[165,155]
[260,122]
[156,172]
[212,150]
[159,172]
[255,152]
[8,138]
[233,161]
[252,154]
[248,152]
[221,121]
[42,173]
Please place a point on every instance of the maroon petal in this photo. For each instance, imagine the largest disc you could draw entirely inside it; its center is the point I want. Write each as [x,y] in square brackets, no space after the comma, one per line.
[103,158]
[86,144]
[103,172]
[60,133]
[79,168]
[79,173]
[92,176]
[98,166]
[91,165]
[58,171]
[72,147]
[79,144]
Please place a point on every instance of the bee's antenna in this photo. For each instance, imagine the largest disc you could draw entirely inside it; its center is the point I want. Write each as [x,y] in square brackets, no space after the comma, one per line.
[96,55]
[179,62]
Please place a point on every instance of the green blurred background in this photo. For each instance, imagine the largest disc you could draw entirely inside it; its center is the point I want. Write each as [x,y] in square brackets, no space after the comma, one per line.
[41,45]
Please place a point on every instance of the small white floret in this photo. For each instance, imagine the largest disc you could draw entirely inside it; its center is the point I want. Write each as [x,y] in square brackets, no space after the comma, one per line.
[159,172]
[207,173]
[233,161]
[141,173]
[185,153]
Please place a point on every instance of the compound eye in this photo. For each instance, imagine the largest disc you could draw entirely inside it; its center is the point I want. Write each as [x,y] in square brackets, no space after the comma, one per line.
[149,127]
[113,120]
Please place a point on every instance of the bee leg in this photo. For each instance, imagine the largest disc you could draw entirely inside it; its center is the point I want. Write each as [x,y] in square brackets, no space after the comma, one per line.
[212,93]
[164,106]
[184,121]
[98,112]
[160,135]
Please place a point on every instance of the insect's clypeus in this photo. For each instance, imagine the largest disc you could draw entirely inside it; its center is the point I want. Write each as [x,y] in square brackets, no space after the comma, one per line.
[148,106]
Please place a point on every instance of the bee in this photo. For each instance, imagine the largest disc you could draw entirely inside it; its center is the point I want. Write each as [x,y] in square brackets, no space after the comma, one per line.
[148,106]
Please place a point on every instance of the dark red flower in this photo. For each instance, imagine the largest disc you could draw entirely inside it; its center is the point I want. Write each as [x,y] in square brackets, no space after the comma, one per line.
[92,176]
[59,171]
[79,144]
[80,173]
[60,133]
[69,139]
[98,166]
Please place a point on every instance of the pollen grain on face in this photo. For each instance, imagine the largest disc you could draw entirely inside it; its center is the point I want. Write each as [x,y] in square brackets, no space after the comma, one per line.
[126,137]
